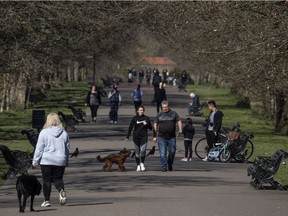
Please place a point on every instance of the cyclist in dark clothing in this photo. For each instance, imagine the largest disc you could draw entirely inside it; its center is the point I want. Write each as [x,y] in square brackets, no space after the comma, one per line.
[139,124]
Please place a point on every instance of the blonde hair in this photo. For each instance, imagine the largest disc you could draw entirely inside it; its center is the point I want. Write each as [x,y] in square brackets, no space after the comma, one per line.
[53,120]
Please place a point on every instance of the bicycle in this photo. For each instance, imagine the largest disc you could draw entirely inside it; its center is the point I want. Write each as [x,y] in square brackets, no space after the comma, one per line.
[220,151]
[241,152]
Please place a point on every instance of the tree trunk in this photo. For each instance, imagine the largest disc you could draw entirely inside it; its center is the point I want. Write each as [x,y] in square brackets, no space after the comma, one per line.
[3,95]
[69,75]
[76,71]
[281,124]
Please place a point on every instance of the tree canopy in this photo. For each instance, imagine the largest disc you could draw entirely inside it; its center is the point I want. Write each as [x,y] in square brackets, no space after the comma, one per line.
[241,43]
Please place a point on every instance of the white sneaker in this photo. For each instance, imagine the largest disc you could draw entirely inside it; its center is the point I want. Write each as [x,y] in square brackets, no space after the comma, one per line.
[142,167]
[62,197]
[111,121]
[138,168]
[205,159]
[46,204]
[184,159]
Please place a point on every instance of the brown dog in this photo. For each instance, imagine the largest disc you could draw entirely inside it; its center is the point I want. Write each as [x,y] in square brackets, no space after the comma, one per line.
[117,158]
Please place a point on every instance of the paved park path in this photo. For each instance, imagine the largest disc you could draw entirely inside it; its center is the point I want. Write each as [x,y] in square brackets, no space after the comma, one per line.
[193,188]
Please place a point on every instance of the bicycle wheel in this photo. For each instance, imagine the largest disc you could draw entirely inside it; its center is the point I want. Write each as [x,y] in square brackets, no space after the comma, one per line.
[225,156]
[249,149]
[201,148]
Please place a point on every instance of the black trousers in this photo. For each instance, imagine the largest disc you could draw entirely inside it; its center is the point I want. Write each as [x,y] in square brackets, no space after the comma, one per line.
[94,109]
[188,147]
[52,174]
[211,139]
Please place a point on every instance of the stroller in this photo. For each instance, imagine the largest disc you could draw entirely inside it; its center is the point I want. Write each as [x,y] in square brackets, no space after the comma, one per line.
[264,168]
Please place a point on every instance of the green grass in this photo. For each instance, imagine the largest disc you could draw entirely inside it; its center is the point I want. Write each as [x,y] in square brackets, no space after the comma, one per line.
[13,122]
[265,141]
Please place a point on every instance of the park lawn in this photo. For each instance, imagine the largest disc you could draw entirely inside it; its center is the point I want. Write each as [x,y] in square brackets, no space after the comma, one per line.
[265,141]
[57,99]
[13,122]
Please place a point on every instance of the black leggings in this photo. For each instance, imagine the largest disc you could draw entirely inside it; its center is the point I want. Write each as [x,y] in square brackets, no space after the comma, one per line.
[52,174]
[188,146]
[211,139]
[94,109]
[140,145]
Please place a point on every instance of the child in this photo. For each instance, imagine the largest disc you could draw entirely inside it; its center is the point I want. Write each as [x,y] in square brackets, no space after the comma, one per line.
[188,132]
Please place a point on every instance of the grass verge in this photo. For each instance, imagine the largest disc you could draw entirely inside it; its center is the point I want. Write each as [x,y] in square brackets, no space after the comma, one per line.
[265,141]
[13,122]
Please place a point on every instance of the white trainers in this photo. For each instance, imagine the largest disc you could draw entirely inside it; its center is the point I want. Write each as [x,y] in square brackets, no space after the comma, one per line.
[205,159]
[189,159]
[46,204]
[62,197]
[184,159]
[142,167]
[138,168]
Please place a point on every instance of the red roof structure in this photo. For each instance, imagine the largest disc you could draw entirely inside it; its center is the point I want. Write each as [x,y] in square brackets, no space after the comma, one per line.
[157,61]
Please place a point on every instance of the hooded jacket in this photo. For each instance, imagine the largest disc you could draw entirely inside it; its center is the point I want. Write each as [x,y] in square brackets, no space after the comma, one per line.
[52,147]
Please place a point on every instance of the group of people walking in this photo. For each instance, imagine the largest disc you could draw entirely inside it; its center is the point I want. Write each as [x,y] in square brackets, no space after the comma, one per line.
[52,149]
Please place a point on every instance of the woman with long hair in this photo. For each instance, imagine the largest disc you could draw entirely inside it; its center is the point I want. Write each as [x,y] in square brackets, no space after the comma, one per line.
[52,153]
[93,100]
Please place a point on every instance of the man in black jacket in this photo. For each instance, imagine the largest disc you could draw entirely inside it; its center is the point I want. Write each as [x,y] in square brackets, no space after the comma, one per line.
[213,126]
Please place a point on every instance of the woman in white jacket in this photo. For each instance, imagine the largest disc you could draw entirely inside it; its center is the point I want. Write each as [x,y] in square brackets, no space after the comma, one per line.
[52,154]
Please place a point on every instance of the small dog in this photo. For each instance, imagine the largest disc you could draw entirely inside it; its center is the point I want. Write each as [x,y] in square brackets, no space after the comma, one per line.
[27,185]
[117,158]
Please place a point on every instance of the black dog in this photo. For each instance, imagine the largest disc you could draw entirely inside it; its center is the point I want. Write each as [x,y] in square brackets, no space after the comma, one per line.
[27,185]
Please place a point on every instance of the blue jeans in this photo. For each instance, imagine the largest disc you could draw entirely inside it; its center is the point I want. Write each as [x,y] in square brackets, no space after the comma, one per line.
[163,145]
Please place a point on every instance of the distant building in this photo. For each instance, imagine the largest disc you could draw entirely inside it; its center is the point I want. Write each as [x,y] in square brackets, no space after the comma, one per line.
[155,62]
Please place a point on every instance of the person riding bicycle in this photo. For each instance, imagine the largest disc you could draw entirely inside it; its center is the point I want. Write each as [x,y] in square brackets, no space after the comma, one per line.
[213,125]
[194,106]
